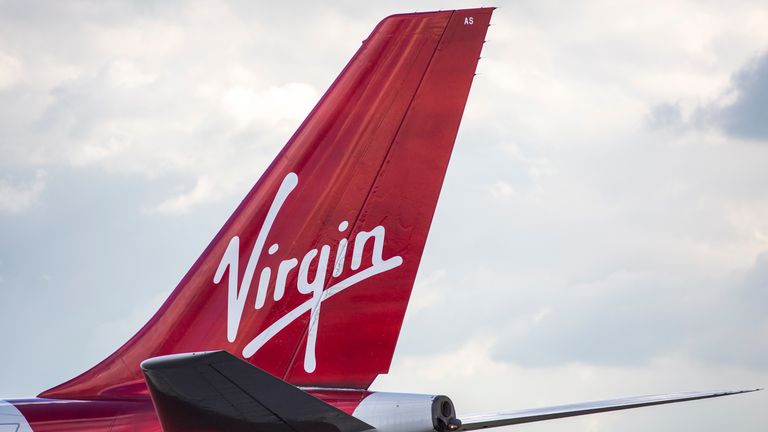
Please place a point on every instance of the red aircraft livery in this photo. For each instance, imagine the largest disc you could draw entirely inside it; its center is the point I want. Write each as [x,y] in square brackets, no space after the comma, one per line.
[296,305]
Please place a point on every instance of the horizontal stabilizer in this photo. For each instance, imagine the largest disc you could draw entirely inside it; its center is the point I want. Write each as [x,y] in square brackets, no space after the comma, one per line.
[216,391]
[482,421]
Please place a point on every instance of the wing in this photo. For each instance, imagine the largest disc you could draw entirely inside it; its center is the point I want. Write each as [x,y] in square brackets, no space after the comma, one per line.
[217,392]
[474,422]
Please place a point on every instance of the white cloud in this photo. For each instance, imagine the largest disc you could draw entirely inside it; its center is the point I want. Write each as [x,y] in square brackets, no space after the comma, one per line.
[501,190]
[94,153]
[268,107]
[428,291]
[188,95]
[15,197]
[204,190]
[125,74]
[10,71]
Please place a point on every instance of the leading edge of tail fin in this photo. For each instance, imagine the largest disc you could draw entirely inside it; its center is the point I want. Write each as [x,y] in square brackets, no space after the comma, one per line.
[310,277]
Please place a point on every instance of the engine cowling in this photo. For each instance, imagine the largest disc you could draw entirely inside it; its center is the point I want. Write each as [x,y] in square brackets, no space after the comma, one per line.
[404,412]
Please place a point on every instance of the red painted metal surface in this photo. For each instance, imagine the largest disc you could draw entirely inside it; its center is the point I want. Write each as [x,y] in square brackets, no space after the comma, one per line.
[366,168]
[57,415]
[51,415]
[345,400]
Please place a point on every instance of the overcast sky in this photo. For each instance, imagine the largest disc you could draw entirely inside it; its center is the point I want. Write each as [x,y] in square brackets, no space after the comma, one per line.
[602,231]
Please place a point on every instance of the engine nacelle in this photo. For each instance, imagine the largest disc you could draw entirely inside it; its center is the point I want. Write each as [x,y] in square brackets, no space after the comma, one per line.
[403,412]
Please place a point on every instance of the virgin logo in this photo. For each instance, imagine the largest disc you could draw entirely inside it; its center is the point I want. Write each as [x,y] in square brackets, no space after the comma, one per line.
[317,293]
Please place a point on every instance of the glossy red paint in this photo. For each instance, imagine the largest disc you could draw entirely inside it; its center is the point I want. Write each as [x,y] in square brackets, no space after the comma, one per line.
[58,415]
[55,415]
[369,160]
[373,152]
[345,400]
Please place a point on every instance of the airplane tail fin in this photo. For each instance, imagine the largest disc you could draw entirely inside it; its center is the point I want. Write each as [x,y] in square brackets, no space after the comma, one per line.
[310,277]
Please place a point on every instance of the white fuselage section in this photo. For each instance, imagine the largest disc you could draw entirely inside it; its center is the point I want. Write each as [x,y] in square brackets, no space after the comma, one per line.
[11,420]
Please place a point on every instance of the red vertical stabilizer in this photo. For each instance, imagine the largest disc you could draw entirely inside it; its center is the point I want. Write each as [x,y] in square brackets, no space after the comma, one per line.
[310,277]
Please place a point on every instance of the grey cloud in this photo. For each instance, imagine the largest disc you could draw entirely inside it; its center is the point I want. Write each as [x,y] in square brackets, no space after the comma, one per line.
[740,112]
[626,318]
[606,267]
[737,326]
[747,116]
[755,287]
[17,196]
[665,115]
[632,320]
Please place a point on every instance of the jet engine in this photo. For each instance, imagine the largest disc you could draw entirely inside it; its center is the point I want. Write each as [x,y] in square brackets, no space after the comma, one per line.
[403,412]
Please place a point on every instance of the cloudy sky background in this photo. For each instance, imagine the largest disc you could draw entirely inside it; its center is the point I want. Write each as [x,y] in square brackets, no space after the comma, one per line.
[602,232]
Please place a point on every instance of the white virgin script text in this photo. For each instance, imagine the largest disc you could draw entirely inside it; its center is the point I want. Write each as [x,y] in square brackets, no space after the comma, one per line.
[237,291]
